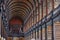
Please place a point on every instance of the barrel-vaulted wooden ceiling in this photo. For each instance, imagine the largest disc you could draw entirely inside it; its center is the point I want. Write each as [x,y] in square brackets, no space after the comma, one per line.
[21,8]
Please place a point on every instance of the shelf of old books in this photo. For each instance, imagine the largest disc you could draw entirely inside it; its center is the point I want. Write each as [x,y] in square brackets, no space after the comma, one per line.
[33,35]
[10,38]
[57,30]
[39,33]
[49,32]
[43,33]
[21,38]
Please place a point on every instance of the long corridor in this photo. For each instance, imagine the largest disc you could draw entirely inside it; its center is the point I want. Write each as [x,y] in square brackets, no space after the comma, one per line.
[29,19]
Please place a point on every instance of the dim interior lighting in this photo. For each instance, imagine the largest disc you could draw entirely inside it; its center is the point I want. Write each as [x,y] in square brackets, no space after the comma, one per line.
[32,39]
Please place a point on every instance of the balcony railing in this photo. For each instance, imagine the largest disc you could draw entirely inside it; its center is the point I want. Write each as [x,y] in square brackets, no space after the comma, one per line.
[55,12]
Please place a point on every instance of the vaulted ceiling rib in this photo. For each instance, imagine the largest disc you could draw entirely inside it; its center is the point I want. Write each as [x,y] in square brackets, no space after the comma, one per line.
[20,7]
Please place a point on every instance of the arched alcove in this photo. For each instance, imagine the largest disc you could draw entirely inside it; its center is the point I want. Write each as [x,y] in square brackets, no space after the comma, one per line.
[15,25]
